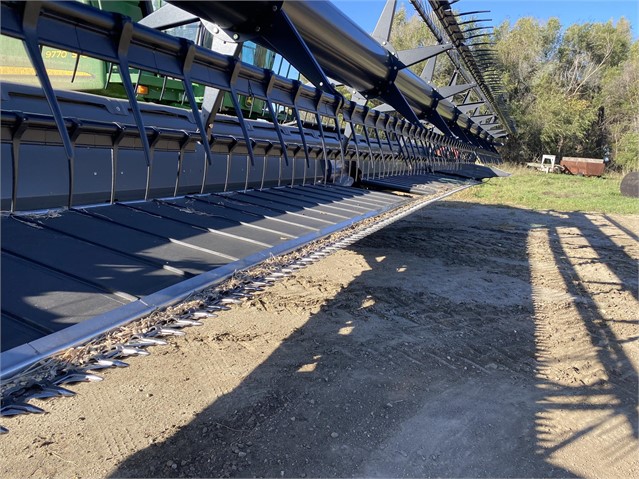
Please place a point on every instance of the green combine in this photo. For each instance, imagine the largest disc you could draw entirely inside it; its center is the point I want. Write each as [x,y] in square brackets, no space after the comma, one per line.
[70,71]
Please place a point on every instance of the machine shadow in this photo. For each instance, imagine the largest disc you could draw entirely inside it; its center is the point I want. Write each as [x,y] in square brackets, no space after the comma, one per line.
[426,364]
[622,376]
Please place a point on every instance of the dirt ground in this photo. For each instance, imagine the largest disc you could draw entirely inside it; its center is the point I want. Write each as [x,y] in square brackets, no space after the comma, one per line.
[462,341]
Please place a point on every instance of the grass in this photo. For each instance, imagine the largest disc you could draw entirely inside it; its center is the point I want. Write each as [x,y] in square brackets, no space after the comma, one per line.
[528,188]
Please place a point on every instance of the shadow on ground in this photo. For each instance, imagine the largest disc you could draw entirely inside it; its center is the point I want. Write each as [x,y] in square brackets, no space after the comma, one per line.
[427,364]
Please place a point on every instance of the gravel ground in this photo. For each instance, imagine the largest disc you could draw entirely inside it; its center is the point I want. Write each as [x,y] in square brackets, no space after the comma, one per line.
[462,341]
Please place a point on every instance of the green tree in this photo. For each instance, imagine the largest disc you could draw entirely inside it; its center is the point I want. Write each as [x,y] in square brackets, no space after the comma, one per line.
[587,51]
[524,53]
[560,88]
[620,98]
[564,119]
[572,91]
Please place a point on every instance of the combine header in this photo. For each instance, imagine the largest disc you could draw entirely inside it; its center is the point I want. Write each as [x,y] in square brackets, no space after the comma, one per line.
[148,154]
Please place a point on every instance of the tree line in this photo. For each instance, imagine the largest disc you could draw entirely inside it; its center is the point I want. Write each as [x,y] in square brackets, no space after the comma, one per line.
[571,91]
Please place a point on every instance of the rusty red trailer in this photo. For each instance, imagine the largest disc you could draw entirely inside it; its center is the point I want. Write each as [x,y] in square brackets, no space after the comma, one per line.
[583,166]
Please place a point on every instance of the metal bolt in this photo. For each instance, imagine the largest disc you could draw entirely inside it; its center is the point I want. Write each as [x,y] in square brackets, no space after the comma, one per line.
[384,43]
[275,8]
[321,83]
[257,29]
[236,36]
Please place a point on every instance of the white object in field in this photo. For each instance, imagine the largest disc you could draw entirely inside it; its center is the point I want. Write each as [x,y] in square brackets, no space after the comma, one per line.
[544,166]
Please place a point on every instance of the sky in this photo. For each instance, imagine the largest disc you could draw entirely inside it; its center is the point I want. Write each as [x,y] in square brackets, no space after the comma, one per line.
[366,12]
